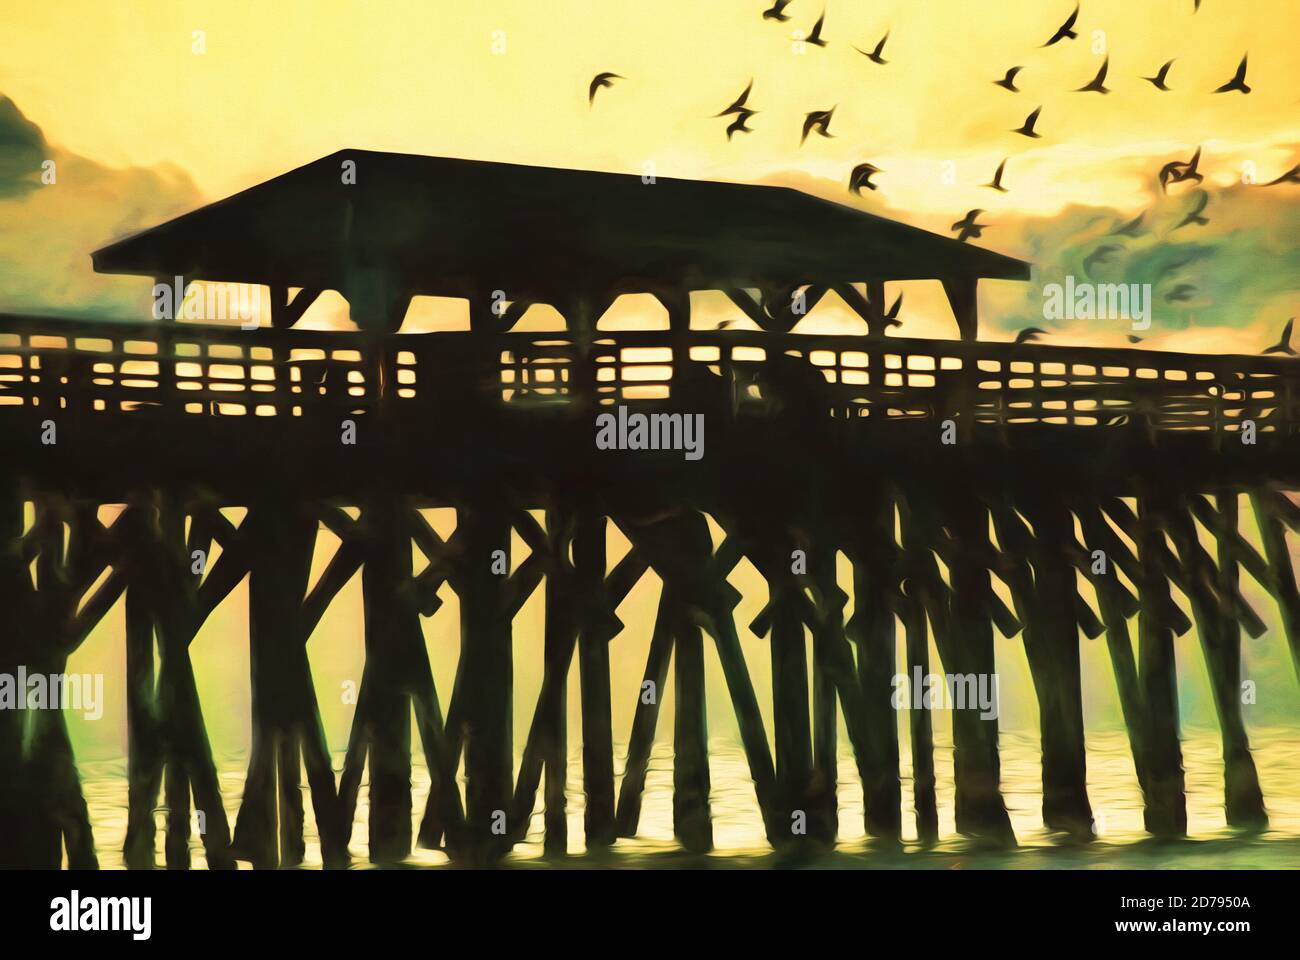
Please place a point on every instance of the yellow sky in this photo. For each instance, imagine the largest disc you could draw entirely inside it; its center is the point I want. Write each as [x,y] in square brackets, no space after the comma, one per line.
[281,83]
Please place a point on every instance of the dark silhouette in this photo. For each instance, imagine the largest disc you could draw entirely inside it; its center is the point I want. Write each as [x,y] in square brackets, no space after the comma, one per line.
[819,120]
[777,11]
[1284,344]
[861,177]
[599,81]
[996,182]
[1098,83]
[1158,81]
[875,55]
[968,226]
[1066,30]
[1009,81]
[1238,82]
[1027,129]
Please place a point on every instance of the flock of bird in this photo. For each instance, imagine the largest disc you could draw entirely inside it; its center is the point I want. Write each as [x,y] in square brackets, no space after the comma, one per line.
[860,177]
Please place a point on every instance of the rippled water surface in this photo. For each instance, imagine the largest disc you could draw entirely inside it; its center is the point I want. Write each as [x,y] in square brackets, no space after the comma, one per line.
[738,834]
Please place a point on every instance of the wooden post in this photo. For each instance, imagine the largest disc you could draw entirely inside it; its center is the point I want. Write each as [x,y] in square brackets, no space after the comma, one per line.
[593,669]
[1166,802]
[968,649]
[963,297]
[872,629]
[644,721]
[691,823]
[790,703]
[488,661]
[1052,645]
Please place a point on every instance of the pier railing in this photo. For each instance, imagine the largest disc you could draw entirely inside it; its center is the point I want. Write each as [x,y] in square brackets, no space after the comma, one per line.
[204,370]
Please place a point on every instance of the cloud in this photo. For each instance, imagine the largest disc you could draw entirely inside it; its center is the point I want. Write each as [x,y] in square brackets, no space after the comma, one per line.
[48,230]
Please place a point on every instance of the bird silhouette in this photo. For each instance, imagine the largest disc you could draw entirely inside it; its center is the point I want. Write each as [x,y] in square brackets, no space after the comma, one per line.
[891,315]
[1009,81]
[1238,81]
[996,183]
[1100,256]
[1098,83]
[1194,216]
[1177,171]
[600,80]
[819,119]
[815,38]
[969,226]
[861,177]
[1133,339]
[777,11]
[1181,293]
[1196,5]
[739,105]
[1291,176]
[1028,129]
[1066,30]
[1028,334]
[1284,345]
[1158,81]
[875,55]
[738,125]
[1132,228]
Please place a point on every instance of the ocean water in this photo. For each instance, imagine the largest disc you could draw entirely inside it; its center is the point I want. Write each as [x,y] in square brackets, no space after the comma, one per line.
[738,833]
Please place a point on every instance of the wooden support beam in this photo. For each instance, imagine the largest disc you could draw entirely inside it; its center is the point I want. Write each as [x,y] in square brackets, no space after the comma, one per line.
[386,570]
[546,749]
[487,658]
[593,671]
[963,297]
[1244,801]
[1166,800]
[1272,510]
[691,823]
[1052,645]
[968,649]
[644,721]
[872,629]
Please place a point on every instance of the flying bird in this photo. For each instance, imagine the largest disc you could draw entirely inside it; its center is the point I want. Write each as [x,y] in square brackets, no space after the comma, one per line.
[891,315]
[819,120]
[969,226]
[777,11]
[1133,339]
[861,177]
[1098,83]
[1238,81]
[1028,334]
[1009,81]
[1291,176]
[1181,293]
[1066,29]
[1099,256]
[875,55]
[996,183]
[815,38]
[1028,129]
[1284,345]
[1194,216]
[1196,5]
[1177,171]
[600,80]
[1133,228]
[738,125]
[739,105]
[1158,81]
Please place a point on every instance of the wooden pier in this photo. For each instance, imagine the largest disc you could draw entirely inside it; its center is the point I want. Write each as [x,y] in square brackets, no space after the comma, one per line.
[933,466]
